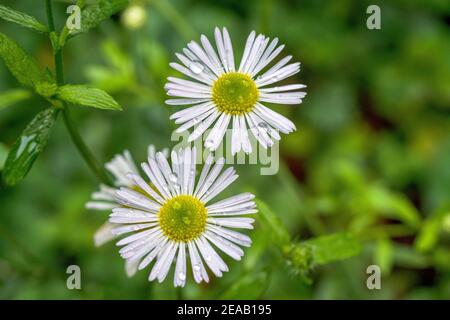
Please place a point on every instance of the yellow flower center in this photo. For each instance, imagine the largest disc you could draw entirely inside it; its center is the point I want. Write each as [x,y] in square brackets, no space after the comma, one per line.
[235,93]
[183,218]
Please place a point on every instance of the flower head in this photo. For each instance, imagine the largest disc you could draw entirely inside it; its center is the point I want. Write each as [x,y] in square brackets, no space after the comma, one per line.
[222,93]
[104,199]
[169,219]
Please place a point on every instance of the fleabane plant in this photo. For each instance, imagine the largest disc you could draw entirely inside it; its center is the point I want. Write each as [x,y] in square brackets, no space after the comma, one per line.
[223,93]
[169,219]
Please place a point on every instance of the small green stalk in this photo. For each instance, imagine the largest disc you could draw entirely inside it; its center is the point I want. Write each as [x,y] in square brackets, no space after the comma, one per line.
[75,135]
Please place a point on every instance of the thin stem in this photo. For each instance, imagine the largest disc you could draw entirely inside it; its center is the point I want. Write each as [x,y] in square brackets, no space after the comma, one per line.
[75,135]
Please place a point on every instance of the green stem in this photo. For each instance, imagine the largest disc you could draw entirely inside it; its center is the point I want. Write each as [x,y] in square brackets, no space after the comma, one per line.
[75,135]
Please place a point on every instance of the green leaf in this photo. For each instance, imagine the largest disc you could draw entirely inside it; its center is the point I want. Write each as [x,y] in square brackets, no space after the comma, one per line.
[28,146]
[3,155]
[272,222]
[10,97]
[93,15]
[429,234]
[333,247]
[384,255]
[87,96]
[22,19]
[250,286]
[22,66]
[394,205]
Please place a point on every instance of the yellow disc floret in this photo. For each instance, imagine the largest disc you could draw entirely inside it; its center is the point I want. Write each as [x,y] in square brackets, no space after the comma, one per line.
[235,93]
[183,218]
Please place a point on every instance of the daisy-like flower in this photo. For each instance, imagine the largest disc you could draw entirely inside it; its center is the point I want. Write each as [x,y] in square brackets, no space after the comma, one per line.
[222,93]
[169,219]
[104,199]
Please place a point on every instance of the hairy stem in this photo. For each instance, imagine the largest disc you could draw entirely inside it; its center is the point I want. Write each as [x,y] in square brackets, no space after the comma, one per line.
[74,134]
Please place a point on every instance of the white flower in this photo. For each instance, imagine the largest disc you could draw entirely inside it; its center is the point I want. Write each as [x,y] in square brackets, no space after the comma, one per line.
[224,94]
[169,218]
[104,199]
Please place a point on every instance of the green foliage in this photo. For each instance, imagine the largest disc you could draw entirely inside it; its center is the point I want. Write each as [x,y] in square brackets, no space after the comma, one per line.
[3,154]
[333,247]
[384,255]
[429,234]
[250,286]
[23,67]
[94,14]
[22,19]
[273,224]
[87,96]
[28,146]
[370,156]
[13,96]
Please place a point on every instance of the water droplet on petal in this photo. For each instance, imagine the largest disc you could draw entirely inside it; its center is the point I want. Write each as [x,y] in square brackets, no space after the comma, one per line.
[196,67]
[182,276]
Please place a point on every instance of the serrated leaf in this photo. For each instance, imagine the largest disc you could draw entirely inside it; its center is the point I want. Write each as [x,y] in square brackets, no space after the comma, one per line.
[251,286]
[22,19]
[333,247]
[28,146]
[271,221]
[22,66]
[87,96]
[94,14]
[10,97]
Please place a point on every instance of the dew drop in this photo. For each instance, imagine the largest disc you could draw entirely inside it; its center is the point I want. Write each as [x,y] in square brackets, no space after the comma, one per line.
[196,67]
[209,143]
[182,276]
[173,178]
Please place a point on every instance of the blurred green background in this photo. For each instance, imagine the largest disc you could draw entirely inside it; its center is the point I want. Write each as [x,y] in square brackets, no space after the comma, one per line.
[371,155]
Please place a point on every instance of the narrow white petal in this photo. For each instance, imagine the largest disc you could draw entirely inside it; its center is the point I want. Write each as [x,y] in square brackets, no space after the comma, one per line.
[104,234]
[179,279]
[232,201]
[226,246]
[221,48]
[198,269]
[203,126]
[228,50]
[248,47]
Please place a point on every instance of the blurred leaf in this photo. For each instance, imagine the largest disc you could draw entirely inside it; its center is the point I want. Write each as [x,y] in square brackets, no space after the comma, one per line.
[273,223]
[87,96]
[94,14]
[22,66]
[22,19]
[3,155]
[10,97]
[429,234]
[394,205]
[28,146]
[333,247]
[405,256]
[384,255]
[250,286]
[117,57]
